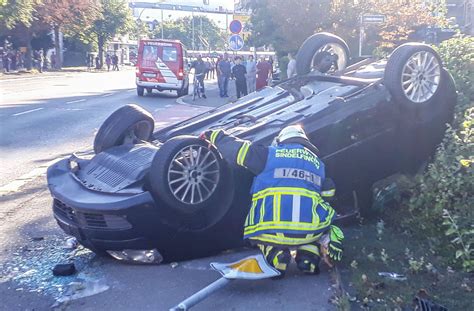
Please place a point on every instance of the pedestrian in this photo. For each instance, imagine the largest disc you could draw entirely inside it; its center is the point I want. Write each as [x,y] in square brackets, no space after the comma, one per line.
[263,73]
[108,61]
[53,60]
[208,68]
[251,67]
[13,61]
[289,192]
[6,61]
[213,69]
[40,61]
[224,74]
[115,62]
[291,69]
[239,72]
[97,62]
[200,71]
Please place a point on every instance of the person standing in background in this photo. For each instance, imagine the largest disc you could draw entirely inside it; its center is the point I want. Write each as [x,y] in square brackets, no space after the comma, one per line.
[263,73]
[224,70]
[251,67]
[291,69]
[53,60]
[239,72]
[108,61]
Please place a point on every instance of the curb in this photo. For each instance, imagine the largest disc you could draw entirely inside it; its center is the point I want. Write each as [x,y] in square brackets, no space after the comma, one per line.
[181,101]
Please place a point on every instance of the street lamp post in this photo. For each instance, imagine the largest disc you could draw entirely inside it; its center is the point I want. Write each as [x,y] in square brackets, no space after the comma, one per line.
[192,13]
[162,26]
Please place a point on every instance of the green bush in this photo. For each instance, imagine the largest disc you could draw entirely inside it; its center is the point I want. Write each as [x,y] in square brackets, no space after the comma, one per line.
[442,200]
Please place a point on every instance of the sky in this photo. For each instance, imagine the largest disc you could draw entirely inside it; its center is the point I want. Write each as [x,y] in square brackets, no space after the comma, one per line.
[219,19]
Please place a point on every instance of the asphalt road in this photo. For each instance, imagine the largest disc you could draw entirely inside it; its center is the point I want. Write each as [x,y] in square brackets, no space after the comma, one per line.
[44,118]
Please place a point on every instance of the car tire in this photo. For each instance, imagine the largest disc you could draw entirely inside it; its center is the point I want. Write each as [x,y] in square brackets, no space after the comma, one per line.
[140,90]
[413,75]
[149,90]
[312,45]
[175,180]
[128,121]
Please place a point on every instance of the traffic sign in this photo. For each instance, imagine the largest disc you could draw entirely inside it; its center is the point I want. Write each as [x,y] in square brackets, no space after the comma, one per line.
[250,268]
[373,19]
[235,26]
[236,42]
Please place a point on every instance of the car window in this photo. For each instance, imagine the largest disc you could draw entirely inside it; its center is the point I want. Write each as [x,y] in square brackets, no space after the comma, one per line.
[170,54]
[150,55]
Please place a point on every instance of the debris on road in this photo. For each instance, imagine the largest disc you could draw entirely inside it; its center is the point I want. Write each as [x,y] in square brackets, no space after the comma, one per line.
[37,238]
[80,289]
[64,269]
[393,276]
[174,264]
[71,243]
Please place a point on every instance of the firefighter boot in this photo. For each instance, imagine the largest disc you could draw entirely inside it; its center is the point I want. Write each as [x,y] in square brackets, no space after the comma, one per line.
[307,259]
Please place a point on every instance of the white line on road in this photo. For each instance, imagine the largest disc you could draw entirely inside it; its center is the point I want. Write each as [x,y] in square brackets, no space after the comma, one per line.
[19,182]
[25,112]
[106,95]
[76,101]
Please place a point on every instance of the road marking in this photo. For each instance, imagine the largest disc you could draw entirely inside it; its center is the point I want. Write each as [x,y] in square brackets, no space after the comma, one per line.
[25,112]
[22,180]
[106,95]
[76,101]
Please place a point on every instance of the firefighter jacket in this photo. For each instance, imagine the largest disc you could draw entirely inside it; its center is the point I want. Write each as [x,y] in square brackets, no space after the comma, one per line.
[287,205]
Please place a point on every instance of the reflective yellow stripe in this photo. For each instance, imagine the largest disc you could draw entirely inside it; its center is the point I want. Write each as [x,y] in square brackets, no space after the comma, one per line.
[275,208]
[288,191]
[243,153]
[284,240]
[328,193]
[214,136]
[278,208]
[310,248]
[262,211]
[250,216]
[283,225]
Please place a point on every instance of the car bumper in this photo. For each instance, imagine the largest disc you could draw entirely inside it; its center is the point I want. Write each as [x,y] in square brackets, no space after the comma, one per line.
[161,86]
[99,220]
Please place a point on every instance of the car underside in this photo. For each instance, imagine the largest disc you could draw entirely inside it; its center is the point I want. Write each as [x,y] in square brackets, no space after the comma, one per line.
[137,192]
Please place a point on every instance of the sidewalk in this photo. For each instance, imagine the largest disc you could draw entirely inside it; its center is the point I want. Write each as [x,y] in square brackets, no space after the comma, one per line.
[212,92]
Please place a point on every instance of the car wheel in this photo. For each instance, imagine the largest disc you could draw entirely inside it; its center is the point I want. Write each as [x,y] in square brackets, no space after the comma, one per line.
[319,48]
[140,90]
[413,76]
[149,90]
[130,123]
[193,182]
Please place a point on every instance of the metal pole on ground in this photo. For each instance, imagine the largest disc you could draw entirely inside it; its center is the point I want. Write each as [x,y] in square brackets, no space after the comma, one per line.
[201,295]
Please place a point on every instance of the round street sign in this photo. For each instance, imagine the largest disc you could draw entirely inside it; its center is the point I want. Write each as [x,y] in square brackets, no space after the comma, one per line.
[236,42]
[235,26]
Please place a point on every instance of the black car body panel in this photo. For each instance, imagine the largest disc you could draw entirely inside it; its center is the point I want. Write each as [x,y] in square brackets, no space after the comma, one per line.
[362,136]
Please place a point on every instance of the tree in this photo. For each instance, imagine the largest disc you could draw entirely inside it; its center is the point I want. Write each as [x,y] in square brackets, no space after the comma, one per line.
[115,18]
[66,16]
[286,24]
[181,29]
[18,21]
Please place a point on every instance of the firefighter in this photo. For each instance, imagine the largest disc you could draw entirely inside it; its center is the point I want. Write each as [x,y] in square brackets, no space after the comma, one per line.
[288,209]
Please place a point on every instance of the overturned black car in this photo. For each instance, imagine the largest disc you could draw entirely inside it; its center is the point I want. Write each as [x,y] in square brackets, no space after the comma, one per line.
[168,192]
